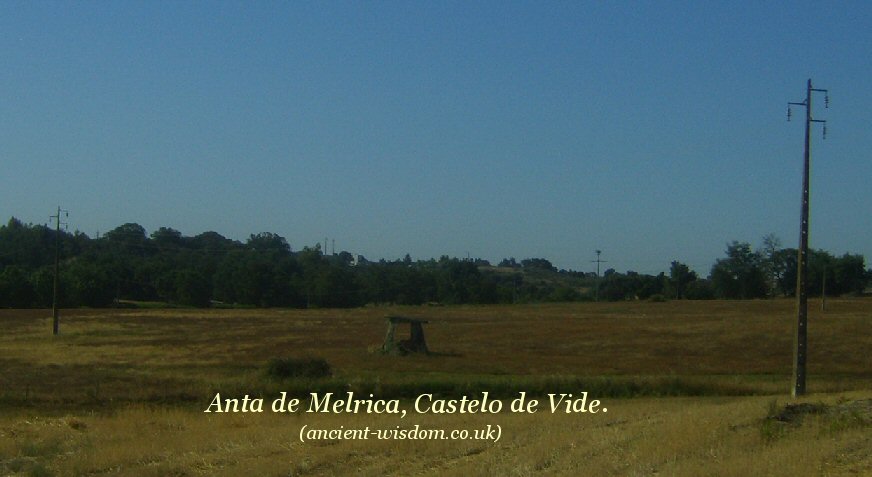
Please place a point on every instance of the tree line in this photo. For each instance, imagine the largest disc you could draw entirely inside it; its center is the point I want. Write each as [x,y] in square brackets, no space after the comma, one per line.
[128,265]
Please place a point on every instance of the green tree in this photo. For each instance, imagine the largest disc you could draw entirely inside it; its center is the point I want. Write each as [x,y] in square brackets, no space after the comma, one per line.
[616,286]
[16,290]
[30,246]
[782,265]
[42,280]
[193,288]
[538,264]
[130,237]
[849,275]
[680,276]
[769,255]
[460,281]
[212,242]
[700,289]
[268,242]
[87,283]
[741,274]
[509,263]
[167,238]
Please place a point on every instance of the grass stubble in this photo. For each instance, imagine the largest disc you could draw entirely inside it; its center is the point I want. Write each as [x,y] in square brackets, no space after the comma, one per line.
[692,388]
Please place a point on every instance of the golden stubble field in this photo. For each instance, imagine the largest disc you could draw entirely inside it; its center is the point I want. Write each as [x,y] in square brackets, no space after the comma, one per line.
[121,392]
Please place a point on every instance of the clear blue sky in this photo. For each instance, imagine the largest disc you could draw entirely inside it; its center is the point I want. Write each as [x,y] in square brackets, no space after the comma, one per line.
[652,131]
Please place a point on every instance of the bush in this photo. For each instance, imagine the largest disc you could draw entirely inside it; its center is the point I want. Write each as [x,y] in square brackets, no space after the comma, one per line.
[657,298]
[564,294]
[283,368]
[699,290]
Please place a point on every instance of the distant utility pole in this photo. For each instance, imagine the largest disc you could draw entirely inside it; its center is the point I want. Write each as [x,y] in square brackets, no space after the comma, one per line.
[800,339]
[54,300]
[598,262]
[824,289]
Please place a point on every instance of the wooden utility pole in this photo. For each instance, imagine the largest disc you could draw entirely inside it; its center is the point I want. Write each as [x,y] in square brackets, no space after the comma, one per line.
[598,261]
[800,338]
[54,300]
[824,290]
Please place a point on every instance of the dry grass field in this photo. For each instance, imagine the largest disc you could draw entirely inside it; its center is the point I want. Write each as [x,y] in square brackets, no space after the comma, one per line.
[692,388]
